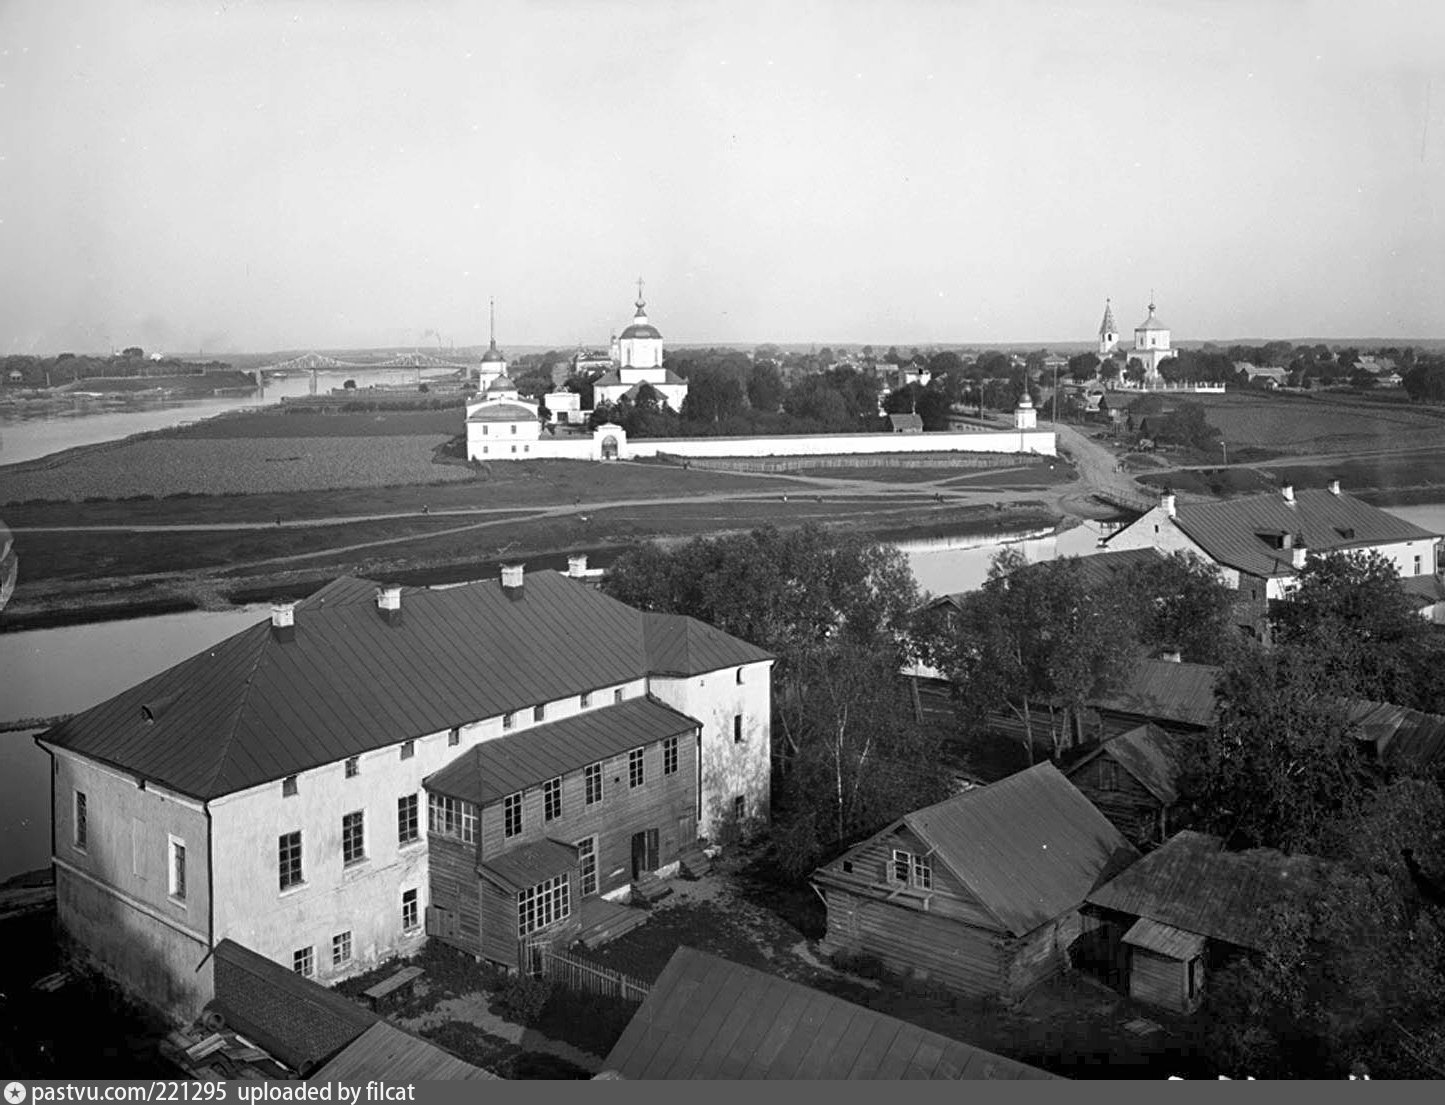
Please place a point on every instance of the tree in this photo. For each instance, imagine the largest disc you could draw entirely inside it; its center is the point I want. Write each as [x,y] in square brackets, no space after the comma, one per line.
[1135,370]
[713,396]
[765,387]
[1179,602]
[1083,367]
[133,353]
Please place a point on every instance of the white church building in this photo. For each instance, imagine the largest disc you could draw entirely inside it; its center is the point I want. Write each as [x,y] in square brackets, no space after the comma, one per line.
[1151,341]
[637,360]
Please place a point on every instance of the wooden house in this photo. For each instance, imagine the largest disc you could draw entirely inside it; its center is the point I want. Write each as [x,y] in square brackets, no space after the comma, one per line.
[707,1017]
[981,892]
[1189,903]
[1133,778]
[1177,697]
[523,830]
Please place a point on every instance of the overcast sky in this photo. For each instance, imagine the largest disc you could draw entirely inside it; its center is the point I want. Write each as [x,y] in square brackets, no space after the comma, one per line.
[268,175]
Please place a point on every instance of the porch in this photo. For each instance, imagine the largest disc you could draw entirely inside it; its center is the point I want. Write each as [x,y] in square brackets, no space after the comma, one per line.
[600,921]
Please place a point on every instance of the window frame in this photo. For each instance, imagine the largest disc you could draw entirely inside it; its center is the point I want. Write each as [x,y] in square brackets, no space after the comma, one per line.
[353,766]
[670,756]
[584,700]
[303,961]
[282,858]
[176,869]
[552,799]
[637,768]
[454,736]
[290,786]
[80,822]
[587,866]
[353,838]
[341,948]
[539,713]
[408,816]
[509,720]
[408,749]
[543,905]
[453,818]
[590,774]
[512,816]
[737,728]
[410,910]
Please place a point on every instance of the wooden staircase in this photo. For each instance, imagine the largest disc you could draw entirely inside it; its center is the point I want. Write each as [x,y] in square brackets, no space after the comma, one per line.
[694,862]
[647,889]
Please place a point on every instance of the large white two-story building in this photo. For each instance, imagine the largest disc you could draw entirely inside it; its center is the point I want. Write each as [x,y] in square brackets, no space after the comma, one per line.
[270,790]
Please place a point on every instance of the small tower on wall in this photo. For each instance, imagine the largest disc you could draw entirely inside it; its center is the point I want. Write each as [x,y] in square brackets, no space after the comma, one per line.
[1025,416]
[1108,332]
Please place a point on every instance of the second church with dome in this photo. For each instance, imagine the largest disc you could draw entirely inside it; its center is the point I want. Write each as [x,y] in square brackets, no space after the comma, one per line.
[637,360]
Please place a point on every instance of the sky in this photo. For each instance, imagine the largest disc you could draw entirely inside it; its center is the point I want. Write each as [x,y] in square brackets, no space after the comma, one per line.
[268,174]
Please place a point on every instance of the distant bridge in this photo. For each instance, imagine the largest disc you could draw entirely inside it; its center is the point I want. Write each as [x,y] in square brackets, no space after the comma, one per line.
[312,362]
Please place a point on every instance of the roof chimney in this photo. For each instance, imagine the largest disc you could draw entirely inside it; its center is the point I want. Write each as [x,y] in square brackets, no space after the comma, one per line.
[1334,487]
[388,601]
[1167,501]
[1298,552]
[1288,492]
[577,566]
[283,621]
[512,577]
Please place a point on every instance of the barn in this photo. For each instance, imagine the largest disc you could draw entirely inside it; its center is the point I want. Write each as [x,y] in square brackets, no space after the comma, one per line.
[1134,780]
[980,893]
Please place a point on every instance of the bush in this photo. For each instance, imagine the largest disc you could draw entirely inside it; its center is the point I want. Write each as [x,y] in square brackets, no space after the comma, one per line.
[523,998]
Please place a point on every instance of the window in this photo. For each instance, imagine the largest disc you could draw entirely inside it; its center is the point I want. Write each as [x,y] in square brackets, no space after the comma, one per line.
[635,776]
[513,428]
[1417,564]
[303,962]
[587,859]
[407,829]
[81,827]
[552,799]
[353,837]
[289,857]
[538,713]
[584,699]
[1108,774]
[617,696]
[454,736]
[288,787]
[451,817]
[178,870]
[508,720]
[341,948]
[353,766]
[737,728]
[740,809]
[543,905]
[911,870]
[511,815]
[592,776]
[410,913]
[669,756]
[408,749]
[740,677]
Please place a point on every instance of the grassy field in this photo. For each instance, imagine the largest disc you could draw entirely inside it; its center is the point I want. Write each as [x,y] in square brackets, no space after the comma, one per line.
[1329,422]
[304,422]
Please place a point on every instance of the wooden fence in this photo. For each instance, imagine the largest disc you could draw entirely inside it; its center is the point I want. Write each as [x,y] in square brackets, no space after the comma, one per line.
[575,973]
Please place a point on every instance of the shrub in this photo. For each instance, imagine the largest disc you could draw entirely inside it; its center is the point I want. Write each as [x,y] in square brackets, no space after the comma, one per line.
[523,998]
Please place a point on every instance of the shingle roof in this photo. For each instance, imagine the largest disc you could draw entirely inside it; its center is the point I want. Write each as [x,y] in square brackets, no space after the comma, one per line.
[1400,735]
[391,1055]
[906,421]
[506,765]
[1164,939]
[1030,847]
[707,1017]
[1192,884]
[299,1021]
[1102,570]
[531,864]
[1147,753]
[255,709]
[1230,532]
[1165,691]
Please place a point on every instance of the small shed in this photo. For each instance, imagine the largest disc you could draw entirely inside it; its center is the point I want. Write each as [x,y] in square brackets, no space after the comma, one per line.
[1189,901]
[1133,778]
[906,423]
[707,1017]
[980,893]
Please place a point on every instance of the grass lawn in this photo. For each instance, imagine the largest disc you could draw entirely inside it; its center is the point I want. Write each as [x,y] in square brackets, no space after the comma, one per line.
[304,422]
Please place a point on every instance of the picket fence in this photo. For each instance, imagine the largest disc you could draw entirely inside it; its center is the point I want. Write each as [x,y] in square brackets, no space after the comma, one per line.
[575,973]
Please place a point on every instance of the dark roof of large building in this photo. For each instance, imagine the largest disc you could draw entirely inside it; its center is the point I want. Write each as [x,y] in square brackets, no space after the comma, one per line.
[299,1021]
[1147,753]
[1243,533]
[1030,847]
[1190,883]
[1163,690]
[496,768]
[503,411]
[1103,570]
[707,1017]
[255,708]
[390,1055]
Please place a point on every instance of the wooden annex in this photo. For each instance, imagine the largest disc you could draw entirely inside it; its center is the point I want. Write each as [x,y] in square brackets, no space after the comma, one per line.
[1133,778]
[980,893]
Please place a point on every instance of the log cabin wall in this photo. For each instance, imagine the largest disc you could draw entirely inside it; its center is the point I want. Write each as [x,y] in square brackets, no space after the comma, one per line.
[453,893]
[1041,954]
[1121,798]
[1158,980]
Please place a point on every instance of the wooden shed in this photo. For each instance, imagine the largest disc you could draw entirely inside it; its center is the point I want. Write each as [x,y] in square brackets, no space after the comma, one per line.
[980,893]
[1188,902]
[1133,778]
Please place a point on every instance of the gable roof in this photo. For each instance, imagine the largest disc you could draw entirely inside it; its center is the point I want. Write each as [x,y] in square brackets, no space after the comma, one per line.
[299,1021]
[254,709]
[1189,882]
[1400,735]
[1102,570]
[1147,753]
[1230,532]
[707,1017]
[496,768]
[1163,690]
[902,422]
[1029,847]
[391,1055]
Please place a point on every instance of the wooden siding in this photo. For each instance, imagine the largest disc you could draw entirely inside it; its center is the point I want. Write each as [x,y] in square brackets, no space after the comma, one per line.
[913,943]
[498,941]
[869,874]
[1041,954]
[667,803]
[1128,805]
[1158,980]
[453,889]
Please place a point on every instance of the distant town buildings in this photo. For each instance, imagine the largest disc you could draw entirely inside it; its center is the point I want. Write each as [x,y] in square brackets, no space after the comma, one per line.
[1151,341]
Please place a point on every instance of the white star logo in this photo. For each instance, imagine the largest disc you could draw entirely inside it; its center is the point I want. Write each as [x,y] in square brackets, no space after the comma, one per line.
[14,1093]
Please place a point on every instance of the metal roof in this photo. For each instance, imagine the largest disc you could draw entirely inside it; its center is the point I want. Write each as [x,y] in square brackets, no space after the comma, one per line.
[531,864]
[1164,939]
[1189,882]
[1237,532]
[389,1054]
[1030,847]
[299,1021]
[254,708]
[1147,753]
[707,1017]
[1103,570]
[502,410]
[1163,690]
[506,765]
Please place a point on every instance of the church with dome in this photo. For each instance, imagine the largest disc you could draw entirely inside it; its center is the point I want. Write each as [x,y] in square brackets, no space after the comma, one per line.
[500,423]
[1151,341]
[637,360]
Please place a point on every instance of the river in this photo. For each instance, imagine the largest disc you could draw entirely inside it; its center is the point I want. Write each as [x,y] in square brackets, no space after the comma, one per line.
[46,672]
[29,435]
